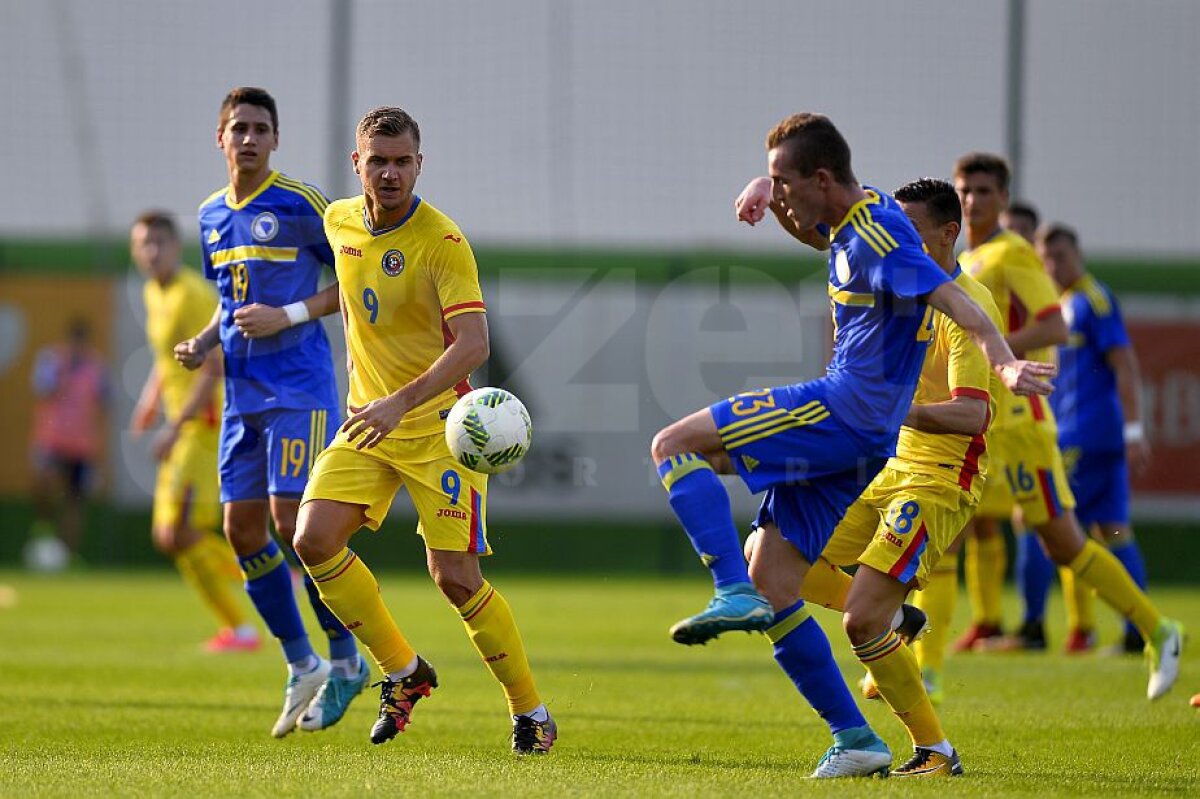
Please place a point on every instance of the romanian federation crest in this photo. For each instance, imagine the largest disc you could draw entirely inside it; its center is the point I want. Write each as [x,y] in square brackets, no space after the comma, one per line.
[264,227]
[393,263]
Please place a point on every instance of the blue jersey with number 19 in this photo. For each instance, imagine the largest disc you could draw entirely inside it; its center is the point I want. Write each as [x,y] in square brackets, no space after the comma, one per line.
[269,249]
[879,278]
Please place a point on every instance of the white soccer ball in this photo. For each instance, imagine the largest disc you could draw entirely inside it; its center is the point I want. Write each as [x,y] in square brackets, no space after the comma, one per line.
[488,430]
[45,553]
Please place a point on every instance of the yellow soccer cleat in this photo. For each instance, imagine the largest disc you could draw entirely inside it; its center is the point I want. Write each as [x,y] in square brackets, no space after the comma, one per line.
[930,763]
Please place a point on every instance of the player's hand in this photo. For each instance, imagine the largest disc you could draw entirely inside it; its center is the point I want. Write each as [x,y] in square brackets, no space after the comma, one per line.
[190,353]
[374,420]
[1137,455]
[164,442]
[143,418]
[752,204]
[1027,377]
[259,321]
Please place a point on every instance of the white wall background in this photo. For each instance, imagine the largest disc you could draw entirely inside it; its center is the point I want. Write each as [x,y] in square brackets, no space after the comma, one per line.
[618,123]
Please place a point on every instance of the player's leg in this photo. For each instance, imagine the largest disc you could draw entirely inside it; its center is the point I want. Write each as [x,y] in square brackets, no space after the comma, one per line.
[802,650]
[687,455]
[937,600]
[1121,542]
[347,489]
[1108,507]
[1034,573]
[985,559]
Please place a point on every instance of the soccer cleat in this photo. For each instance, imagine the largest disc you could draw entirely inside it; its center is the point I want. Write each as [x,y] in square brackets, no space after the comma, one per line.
[1163,651]
[874,759]
[335,696]
[1131,643]
[1030,638]
[933,686]
[396,700]
[930,763]
[913,624]
[734,607]
[228,640]
[1080,642]
[531,737]
[1195,701]
[298,694]
[975,633]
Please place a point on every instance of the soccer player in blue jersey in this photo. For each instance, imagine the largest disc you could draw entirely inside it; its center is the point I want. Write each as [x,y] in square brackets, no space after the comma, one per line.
[263,242]
[1098,405]
[812,447]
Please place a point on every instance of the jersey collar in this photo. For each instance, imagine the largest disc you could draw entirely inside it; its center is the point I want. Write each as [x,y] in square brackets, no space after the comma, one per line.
[872,198]
[367,222]
[957,271]
[266,184]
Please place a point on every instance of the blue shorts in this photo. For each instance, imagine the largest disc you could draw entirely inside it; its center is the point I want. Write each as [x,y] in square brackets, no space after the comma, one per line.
[786,441]
[271,453]
[1100,483]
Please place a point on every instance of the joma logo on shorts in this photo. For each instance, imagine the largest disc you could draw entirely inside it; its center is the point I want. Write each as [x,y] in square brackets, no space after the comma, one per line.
[453,513]
[892,538]
[354,251]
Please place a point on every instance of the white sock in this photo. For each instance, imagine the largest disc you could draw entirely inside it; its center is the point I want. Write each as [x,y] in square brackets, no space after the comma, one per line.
[538,714]
[304,666]
[345,667]
[397,676]
[245,632]
[942,747]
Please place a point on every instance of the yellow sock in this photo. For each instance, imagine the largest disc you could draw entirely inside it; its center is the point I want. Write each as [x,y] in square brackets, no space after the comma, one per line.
[203,573]
[894,669]
[493,630]
[985,565]
[1100,569]
[349,590]
[219,551]
[937,599]
[1077,596]
[826,585]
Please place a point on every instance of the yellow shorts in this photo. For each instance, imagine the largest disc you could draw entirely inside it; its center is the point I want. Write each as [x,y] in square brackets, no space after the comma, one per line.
[1026,469]
[901,525]
[451,500]
[187,490]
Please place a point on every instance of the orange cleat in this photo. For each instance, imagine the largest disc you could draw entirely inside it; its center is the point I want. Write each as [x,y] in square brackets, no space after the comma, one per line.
[1196,701]
[1080,642]
[228,640]
[976,633]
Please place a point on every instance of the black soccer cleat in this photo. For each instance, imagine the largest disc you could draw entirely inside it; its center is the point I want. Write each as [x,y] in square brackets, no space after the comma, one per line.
[912,625]
[396,700]
[531,737]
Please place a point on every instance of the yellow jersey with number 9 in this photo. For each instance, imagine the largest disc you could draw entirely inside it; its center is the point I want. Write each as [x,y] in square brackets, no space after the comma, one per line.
[399,287]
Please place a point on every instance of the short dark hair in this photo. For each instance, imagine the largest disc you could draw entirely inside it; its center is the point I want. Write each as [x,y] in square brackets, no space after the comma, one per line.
[1026,210]
[984,163]
[248,95]
[1048,234]
[814,143]
[387,120]
[938,196]
[156,218]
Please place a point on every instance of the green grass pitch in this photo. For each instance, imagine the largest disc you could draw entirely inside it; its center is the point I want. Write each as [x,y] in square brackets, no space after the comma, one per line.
[104,692]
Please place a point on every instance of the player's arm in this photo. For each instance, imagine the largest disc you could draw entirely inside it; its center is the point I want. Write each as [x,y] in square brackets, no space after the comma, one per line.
[466,353]
[1049,329]
[193,352]
[967,376]
[1124,363]
[1029,283]
[200,397]
[259,321]
[1021,377]
[145,412]
[964,415]
[751,207]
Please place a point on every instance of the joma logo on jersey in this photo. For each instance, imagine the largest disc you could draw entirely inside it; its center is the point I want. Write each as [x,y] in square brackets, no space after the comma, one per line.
[393,263]
[351,251]
[452,513]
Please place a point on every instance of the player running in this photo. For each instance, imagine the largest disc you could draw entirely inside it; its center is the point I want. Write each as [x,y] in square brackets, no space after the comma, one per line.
[813,447]
[415,330]
[262,243]
[1098,402]
[187,508]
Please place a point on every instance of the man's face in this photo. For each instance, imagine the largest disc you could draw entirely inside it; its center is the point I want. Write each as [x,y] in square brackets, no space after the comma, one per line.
[248,138]
[154,251]
[982,198]
[388,167]
[938,238]
[802,197]
[1020,224]
[1064,262]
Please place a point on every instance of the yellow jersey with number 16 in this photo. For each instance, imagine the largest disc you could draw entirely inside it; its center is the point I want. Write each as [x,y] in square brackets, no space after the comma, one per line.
[399,286]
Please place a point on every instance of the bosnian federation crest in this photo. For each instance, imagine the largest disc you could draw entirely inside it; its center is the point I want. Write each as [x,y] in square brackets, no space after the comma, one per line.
[393,263]
[264,227]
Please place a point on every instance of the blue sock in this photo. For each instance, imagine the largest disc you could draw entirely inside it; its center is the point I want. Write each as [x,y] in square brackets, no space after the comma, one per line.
[1130,555]
[1035,572]
[802,651]
[702,505]
[269,584]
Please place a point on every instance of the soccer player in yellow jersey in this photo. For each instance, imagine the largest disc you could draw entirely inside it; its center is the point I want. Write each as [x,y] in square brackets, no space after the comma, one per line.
[187,508]
[415,330]
[1024,440]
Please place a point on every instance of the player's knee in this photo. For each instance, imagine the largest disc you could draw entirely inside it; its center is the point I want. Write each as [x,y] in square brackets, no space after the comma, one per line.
[662,446]
[311,548]
[165,541]
[863,625]
[1063,539]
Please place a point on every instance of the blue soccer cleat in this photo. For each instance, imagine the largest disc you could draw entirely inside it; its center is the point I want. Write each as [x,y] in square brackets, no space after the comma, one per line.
[330,703]
[734,607]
